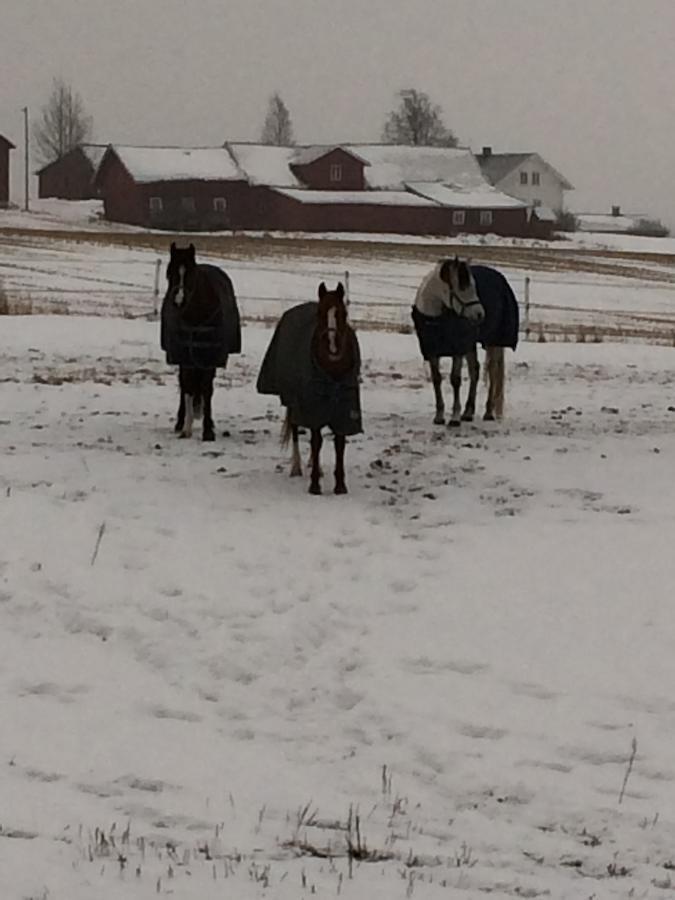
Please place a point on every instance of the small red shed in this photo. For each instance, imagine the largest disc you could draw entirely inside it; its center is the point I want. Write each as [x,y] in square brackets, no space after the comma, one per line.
[5,146]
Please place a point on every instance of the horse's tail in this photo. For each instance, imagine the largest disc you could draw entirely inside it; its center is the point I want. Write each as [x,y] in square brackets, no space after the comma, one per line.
[495,377]
[286,430]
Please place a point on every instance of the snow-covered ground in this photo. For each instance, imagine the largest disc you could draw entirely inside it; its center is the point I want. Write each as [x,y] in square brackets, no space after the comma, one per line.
[213,682]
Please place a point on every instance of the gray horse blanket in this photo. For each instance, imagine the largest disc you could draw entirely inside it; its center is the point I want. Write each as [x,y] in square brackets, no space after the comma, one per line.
[207,345]
[289,370]
[452,335]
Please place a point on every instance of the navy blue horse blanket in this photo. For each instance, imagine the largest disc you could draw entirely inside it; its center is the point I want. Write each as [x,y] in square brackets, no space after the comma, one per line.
[208,344]
[453,335]
[313,398]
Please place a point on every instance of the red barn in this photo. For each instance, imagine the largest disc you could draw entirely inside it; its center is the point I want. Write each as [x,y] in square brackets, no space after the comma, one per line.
[5,147]
[72,176]
[256,187]
[174,188]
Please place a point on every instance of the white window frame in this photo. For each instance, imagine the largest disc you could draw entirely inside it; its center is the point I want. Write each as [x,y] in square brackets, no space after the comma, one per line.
[536,179]
[486,217]
[523,178]
[188,204]
[335,173]
[219,204]
[156,205]
[459,217]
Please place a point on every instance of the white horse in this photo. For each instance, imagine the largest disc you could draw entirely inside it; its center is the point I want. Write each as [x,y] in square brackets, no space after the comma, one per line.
[449,314]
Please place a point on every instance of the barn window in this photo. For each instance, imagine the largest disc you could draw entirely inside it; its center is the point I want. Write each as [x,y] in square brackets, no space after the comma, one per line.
[535,178]
[458,217]
[156,205]
[336,172]
[219,204]
[188,204]
[523,177]
[486,217]
[536,202]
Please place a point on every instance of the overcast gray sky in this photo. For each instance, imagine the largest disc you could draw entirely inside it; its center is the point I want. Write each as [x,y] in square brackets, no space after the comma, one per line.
[589,84]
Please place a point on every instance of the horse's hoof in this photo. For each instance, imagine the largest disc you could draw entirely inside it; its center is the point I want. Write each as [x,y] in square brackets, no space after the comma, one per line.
[209,436]
[453,423]
[439,420]
[467,417]
[488,417]
[178,427]
[340,489]
[295,473]
[184,435]
[315,489]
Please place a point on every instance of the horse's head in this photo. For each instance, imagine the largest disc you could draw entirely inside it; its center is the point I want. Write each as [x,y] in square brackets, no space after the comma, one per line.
[181,274]
[333,334]
[462,295]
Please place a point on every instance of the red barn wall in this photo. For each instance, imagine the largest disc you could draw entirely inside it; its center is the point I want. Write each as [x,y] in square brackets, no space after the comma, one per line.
[5,149]
[69,178]
[316,175]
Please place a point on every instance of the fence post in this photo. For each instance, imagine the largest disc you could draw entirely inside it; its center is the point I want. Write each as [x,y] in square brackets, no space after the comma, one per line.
[527,308]
[158,266]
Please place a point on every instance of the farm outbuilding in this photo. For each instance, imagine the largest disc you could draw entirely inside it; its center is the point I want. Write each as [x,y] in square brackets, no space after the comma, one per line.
[350,188]
[5,147]
[71,177]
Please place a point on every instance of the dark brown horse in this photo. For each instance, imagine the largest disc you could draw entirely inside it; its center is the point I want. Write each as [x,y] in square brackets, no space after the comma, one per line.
[200,328]
[313,365]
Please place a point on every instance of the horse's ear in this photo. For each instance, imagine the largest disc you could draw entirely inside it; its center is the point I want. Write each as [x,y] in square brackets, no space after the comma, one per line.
[445,271]
[322,290]
[340,290]
[192,250]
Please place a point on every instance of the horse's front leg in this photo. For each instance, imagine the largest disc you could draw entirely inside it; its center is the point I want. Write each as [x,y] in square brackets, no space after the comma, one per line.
[474,373]
[456,382]
[208,428]
[296,462]
[315,478]
[180,417]
[436,380]
[340,484]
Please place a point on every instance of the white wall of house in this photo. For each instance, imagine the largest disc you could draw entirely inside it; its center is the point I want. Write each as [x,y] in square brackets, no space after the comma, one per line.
[548,192]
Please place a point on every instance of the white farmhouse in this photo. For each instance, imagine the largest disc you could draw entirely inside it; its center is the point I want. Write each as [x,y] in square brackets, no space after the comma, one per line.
[528,177]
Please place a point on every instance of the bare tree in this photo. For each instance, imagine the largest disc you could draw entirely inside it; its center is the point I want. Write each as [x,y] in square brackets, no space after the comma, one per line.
[278,128]
[417,121]
[63,122]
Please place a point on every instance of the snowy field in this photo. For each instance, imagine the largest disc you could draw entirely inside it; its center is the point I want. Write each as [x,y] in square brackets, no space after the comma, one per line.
[215,685]
[600,293]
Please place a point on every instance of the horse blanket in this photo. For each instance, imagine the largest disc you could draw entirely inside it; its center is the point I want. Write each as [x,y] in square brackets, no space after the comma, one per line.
[313,398]
[208,344]
[452,335]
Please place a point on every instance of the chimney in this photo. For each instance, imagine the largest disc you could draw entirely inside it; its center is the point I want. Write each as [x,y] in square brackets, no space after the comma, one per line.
[616,211]
[487,151]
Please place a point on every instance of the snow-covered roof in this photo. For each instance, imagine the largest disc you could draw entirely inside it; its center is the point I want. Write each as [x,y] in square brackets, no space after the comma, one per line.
[607,223]
[391,166]
[480,197]
[379,198]
[150,164]
[265,164]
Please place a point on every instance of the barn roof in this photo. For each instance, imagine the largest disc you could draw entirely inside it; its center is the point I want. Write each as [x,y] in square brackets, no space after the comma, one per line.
[152,164]
[265,163]
[7,142]
[93,152]
[365,198]
[391,166]
[479,197]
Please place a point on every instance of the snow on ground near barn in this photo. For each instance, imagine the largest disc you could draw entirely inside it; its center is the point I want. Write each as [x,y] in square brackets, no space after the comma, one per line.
[212,667]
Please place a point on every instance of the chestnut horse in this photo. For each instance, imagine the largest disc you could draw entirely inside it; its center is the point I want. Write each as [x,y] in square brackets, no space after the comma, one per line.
[313,365]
